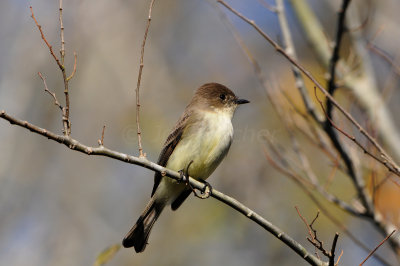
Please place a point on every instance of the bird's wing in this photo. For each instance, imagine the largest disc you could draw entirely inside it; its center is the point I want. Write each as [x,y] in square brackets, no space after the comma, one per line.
[169,146]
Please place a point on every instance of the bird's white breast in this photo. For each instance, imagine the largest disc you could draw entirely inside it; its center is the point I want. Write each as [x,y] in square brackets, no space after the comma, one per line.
[206,143]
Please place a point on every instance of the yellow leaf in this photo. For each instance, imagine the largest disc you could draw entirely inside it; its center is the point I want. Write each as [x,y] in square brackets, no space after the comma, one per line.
[106,255]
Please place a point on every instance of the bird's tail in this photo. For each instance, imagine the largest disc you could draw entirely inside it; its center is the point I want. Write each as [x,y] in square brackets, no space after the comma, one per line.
[138,235]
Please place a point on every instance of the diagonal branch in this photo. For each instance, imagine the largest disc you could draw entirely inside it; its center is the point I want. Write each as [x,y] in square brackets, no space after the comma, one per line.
[143,162]
[376,248]
[45,40]
[352,138]
[52,94]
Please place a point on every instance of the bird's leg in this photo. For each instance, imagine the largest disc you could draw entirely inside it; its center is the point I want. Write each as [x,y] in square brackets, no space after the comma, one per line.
[184,175]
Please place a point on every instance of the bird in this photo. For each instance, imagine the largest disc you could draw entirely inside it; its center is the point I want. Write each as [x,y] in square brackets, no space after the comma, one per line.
[198,143]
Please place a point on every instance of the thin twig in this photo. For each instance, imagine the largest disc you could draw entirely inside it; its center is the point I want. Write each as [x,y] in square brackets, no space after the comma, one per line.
[290,50]
[385,56]
[362,82]
[139,133]
[340,256]
[371,46]
[62,51]
[376,248]
[52,94]
[313,239]
[256,67]
[65,110]
[101,141]
[45,40]
[383,226]
[353,139]
[67,122]
[305,221]
[329,197]
[74,70]
[143,162]
[318,244]
[302,183]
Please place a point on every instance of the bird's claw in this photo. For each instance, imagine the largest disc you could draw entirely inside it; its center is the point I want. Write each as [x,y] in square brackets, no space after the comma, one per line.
[184,175]
[205,192]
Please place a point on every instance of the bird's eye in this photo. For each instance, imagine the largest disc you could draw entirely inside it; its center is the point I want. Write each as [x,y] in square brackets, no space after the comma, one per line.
[222,96]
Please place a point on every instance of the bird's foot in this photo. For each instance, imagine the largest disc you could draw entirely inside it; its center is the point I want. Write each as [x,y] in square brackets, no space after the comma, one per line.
[205,192]
[184,175]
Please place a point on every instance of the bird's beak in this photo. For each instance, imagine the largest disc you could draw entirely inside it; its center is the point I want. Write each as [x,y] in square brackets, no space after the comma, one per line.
[241,101]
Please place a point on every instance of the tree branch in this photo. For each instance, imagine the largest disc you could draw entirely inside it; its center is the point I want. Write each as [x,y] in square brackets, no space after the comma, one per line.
[376,248]
[60,63]
[363,85]
[335,54]
[290,50]
[390,164]
[328,124]
[52,94]
[143,162]
[280,50]
[141,65]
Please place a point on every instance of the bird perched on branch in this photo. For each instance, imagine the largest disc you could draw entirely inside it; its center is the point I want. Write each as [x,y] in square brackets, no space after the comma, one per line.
[196,146]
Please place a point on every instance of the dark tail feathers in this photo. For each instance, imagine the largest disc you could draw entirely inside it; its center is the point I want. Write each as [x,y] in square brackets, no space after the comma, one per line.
[138,235]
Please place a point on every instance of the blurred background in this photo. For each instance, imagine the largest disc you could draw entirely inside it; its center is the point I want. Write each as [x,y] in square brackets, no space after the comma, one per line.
[61,207]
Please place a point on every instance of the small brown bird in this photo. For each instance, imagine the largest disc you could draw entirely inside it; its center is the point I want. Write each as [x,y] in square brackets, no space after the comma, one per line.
[198,143]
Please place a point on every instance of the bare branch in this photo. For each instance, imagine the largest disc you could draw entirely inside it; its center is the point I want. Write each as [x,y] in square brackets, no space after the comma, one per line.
[139,133]
[65,115]
[362,82]
[290,50]
[335,54]
[143,162]
[74,70]
[376,248]
[101,141]
[320,87]
[62,51]
[318,244]
[67,122]
[340,256]
[45,40]
[283,168]
[353,139]
[332,253]
[52,94]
